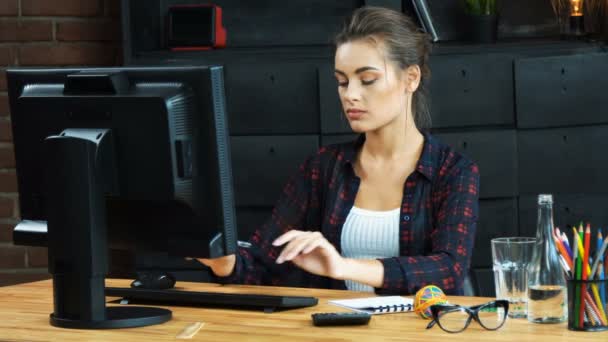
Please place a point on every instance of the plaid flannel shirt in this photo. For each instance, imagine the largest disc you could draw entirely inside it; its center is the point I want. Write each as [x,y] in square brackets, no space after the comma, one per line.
[436,230]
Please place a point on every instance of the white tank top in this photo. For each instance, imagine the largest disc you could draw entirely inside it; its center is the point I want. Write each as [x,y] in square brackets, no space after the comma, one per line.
[369,234]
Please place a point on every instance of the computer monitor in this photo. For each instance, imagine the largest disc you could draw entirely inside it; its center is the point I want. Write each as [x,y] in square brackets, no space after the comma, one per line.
[128,158]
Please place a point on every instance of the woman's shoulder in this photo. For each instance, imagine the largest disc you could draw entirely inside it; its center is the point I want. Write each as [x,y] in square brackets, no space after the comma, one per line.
[338,152]
[448,161]
[328,160]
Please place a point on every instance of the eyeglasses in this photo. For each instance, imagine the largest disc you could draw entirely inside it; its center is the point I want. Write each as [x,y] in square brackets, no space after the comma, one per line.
[456,318]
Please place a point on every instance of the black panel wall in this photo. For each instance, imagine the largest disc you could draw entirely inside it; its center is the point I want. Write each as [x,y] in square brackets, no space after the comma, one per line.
[495,152]
[262,164]
[530,111]
[565,160]
[472,90]
[272,98]
[567,88]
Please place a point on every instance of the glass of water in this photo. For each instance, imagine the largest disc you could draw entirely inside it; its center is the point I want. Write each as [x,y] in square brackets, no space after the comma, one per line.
[511,258]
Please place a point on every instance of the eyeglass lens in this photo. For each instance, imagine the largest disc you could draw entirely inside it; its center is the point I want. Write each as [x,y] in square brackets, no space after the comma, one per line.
[491,316]
[453,320]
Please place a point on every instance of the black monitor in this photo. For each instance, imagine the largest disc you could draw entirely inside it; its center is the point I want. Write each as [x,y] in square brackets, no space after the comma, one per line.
[128,158]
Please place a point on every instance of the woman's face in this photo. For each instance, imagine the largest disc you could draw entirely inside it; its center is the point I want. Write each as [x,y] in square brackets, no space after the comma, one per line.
[370,90]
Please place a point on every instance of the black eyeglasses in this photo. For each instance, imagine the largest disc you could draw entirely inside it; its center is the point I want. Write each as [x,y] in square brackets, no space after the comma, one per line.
[456,318]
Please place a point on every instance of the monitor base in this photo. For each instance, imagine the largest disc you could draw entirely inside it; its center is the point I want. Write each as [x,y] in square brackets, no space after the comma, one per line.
[118,317]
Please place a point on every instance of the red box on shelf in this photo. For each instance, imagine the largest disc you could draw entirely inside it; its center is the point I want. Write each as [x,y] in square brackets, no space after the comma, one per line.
[195,27]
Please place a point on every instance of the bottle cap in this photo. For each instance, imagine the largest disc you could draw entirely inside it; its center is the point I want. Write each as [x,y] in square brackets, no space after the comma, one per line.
[545,198]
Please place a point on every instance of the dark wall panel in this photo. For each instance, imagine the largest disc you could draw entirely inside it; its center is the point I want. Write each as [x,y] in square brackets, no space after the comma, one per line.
[337,139]
[144,19]
[393,4]
[495,152]
[272,98]
[484,281]
[568,210]
[471,90]
[561,90]
[261,165]
[526,18]
[497,218]
[566,160]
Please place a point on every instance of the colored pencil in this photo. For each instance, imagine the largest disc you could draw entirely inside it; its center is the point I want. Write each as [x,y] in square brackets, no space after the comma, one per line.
[562,251]
[565,266]
[599,241]
[586,307]
[567,245]
[574,249]
[581,250]
[576,273]
[590,275]
[600,272]
[593,318]
[585,271]
[599,255]
[586,247]
[589,300]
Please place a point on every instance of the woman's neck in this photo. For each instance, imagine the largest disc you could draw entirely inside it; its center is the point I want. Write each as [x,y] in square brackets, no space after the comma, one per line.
[389,144]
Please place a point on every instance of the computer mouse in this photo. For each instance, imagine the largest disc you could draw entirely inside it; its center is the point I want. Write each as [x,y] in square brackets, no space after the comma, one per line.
[154,281]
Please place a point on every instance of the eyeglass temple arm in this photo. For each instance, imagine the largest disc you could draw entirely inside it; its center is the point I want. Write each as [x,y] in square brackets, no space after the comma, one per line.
[431,324]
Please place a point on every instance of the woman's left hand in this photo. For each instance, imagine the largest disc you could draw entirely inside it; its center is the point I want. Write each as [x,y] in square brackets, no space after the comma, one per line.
[311,252]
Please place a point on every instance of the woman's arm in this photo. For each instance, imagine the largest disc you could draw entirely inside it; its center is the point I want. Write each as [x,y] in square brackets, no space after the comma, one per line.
[256,265]
[312,252]
[452,238]
[366,271]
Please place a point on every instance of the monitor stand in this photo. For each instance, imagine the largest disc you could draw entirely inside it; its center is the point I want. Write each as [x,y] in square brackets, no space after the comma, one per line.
[80,169]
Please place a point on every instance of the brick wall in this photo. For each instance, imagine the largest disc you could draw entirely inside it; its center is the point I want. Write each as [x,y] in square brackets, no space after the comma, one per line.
[44,33]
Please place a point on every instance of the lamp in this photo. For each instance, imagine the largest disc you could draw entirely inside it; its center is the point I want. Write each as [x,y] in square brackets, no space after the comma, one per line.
[577,18]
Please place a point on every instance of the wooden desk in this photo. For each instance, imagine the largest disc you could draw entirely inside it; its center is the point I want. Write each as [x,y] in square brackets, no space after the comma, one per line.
[25,308]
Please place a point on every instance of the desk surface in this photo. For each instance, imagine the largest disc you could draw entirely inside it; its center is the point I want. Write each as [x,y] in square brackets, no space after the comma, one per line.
[25,308]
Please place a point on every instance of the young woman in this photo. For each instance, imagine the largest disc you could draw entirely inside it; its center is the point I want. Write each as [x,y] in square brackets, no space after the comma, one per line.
[393,211]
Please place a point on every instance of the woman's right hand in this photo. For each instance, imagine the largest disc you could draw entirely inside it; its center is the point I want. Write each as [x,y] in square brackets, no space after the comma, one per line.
[222,266]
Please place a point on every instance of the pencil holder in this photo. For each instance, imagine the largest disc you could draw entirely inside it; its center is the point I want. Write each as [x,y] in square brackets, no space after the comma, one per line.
[587,305]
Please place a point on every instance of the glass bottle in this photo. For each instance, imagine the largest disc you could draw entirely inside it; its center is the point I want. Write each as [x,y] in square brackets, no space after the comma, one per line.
[546,282]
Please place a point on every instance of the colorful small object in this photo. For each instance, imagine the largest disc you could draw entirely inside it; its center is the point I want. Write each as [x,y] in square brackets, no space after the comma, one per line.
[427,296]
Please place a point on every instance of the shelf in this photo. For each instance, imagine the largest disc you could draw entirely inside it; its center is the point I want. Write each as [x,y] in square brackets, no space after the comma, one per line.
[517,46]
[324,52]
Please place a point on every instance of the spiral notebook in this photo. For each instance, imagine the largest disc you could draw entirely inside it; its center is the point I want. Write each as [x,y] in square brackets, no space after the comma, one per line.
[377,305]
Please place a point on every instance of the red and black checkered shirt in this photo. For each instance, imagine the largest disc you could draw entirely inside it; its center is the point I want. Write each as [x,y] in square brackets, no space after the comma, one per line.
[436,230]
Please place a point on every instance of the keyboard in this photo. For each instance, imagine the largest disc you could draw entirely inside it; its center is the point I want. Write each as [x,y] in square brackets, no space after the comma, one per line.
[268,303]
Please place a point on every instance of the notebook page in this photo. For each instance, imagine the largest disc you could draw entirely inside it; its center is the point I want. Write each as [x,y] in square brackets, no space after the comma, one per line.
[376,305]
